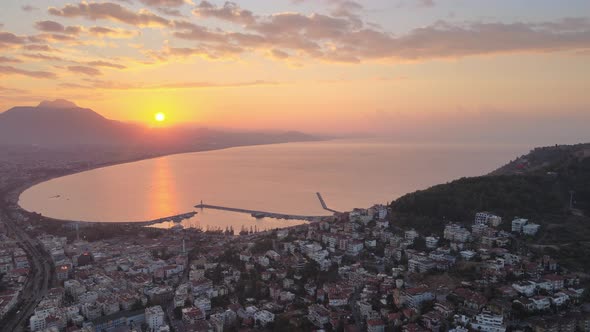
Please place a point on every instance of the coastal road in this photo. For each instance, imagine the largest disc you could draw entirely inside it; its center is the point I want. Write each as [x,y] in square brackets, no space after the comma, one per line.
[37,283]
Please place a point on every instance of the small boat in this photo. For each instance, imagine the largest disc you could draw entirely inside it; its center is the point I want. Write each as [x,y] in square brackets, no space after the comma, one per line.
[258,215]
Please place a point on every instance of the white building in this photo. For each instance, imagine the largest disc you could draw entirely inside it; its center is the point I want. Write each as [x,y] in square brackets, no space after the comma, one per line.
[486,218]
[526,288]
[456,233]
[541,302]
[203,303]
[488,322]
[431,242]
[263,317]
[37,322]
[154,317]
[91,311]
[88,297]
[421,264]
[354,247]
[411,235]
[518,223]
[560,299]
[530,229]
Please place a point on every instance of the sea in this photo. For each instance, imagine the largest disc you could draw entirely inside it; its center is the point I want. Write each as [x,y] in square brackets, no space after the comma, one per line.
[280,178]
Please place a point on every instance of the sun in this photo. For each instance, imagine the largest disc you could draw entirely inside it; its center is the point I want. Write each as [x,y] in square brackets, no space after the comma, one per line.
[160,117]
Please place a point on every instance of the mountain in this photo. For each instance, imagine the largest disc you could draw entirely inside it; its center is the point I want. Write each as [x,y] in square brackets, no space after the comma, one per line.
[63,123]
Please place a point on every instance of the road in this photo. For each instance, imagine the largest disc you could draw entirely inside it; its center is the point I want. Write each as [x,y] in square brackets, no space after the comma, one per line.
[38,282]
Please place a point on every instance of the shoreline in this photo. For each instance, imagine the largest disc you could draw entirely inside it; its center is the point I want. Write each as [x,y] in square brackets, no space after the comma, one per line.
[12,197]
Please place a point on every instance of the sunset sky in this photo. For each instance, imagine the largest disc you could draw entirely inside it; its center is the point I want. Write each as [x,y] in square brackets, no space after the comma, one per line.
[333,66]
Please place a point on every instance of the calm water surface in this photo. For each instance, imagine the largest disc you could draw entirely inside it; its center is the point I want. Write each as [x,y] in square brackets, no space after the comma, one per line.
[278,178]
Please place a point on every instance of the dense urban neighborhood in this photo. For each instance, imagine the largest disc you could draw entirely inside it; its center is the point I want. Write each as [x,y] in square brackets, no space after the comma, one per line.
[354,271]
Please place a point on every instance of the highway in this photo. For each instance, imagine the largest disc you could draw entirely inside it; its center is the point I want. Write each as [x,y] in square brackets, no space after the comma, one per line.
[37,283]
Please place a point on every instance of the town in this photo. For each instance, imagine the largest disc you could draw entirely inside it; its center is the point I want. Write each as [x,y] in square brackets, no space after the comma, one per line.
[354,271]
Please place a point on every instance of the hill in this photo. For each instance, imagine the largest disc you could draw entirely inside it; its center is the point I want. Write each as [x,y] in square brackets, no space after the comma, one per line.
[536,186]
[63,123]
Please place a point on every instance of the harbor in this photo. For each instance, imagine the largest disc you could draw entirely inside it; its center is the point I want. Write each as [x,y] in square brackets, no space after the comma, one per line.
[266,214]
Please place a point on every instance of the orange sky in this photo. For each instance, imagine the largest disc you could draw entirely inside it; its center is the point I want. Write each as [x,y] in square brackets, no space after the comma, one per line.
[327,66]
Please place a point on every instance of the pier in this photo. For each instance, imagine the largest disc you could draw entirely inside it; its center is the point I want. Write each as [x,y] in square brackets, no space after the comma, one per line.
[177,218]
[259,214]
[324,206]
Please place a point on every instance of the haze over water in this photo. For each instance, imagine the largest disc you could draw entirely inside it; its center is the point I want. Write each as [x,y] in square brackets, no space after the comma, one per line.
[277,178]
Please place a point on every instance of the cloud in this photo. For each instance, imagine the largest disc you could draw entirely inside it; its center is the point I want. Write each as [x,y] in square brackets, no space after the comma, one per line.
[28,8]
[4,59]
[170,12]
[52,26]
[39,47]
[276,53]
[11,38]
[229,12]
[343,39]
[163,3]
[217,51]
[111,85]
[191,31]
[110,11]
[53,38]
[40,56]
[90,71]
[101,63]
[9,70]
[98,31]
[11,90]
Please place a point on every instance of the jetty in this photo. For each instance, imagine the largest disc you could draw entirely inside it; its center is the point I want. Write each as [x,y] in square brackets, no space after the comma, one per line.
[176,218]
[259,214]
[324,205]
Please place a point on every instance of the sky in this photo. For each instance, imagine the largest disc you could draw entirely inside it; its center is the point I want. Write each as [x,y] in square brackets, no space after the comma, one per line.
[504,69]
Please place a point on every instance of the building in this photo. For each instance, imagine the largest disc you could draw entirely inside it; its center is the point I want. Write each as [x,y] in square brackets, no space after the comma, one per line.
[488,322]
[412,297]
[62,272]
[192,315]
[375,325]
[154,317]
[37,322]
[421,264]
[354,247]
[488,219]
[118,320]
[555,281]
[318,315]
[526,288]
[530,229]
[263,317]
[431,242]
[411,235]
[456,233]
[517,224]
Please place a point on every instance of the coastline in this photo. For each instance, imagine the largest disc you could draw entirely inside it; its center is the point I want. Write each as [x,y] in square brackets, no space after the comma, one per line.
[12,196]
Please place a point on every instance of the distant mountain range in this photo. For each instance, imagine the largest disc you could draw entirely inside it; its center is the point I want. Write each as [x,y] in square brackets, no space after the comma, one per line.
[63,123]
